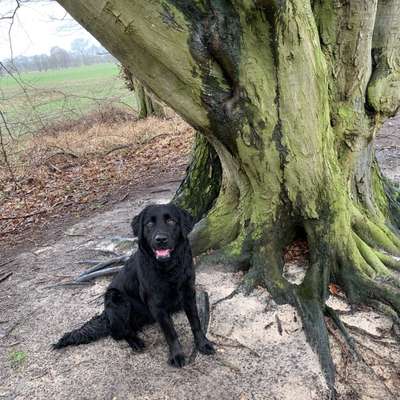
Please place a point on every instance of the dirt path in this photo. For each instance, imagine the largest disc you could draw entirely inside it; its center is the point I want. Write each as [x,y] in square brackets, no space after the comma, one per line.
[250,363]
[262,352]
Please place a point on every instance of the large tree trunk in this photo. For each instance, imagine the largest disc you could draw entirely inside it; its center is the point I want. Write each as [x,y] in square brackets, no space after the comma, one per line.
[290,98]
[147,105]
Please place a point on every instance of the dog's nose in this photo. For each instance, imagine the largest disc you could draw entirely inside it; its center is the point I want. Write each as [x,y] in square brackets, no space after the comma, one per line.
[161,239]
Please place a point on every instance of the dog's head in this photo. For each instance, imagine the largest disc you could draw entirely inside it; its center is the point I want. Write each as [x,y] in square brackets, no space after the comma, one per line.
[161,229]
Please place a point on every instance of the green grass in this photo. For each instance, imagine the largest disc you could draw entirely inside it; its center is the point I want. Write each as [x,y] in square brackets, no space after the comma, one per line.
[33,100]
[17,358]
[91,73]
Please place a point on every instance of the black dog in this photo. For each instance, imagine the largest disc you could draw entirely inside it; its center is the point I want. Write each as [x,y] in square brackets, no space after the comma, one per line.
[157,281]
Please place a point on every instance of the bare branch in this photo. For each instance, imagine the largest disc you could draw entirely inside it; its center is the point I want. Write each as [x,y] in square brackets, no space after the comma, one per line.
[6,160]
[6,125]
[11,26]
[155,51]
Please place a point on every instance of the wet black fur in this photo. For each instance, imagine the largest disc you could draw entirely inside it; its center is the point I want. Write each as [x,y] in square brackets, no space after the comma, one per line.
[148,290]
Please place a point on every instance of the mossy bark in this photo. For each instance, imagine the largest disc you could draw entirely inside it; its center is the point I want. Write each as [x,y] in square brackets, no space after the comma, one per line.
[146,104]
[201,185]
[288,95]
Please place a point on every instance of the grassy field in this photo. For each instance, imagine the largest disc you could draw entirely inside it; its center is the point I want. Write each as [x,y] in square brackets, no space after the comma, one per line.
[35,100]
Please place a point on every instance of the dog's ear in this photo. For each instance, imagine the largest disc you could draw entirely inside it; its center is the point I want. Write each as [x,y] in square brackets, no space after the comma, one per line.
[136,225]
[187,222]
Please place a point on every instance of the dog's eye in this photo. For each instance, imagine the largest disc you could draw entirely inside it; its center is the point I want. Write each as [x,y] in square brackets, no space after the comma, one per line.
[171,221]
[150,224]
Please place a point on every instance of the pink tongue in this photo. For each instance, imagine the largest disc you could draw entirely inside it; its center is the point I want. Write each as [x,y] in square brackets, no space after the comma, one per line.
[163,253]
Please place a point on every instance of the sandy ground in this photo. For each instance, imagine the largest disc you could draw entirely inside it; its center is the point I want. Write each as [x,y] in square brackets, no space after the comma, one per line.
[262,352]
[388,149]
[254,360]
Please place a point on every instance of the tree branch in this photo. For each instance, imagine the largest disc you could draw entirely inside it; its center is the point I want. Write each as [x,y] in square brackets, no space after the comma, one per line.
[155,50]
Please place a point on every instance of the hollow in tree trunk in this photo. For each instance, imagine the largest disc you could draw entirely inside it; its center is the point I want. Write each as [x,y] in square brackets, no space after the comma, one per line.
[290,94]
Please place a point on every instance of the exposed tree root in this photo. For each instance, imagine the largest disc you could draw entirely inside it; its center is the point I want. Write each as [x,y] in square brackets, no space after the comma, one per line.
[235,343]
[97,274]
[365,280]
[236,254]
[219,227]
[361,260]
[103,264]
[376,235]
[390,261]
[312,315]
[228,297]
[339,324]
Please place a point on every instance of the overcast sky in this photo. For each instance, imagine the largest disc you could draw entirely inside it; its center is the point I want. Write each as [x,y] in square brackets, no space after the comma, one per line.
[37,27]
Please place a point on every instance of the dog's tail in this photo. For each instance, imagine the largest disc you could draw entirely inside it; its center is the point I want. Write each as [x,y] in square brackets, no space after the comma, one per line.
[94,329]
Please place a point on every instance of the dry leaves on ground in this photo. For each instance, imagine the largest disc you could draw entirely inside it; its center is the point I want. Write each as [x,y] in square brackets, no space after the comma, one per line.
[80,168]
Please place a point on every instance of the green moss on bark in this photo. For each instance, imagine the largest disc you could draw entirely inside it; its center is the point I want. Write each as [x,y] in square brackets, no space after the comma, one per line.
[201,185]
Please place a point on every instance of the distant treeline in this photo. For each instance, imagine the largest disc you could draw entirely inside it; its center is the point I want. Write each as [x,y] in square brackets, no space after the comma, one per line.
[81,53]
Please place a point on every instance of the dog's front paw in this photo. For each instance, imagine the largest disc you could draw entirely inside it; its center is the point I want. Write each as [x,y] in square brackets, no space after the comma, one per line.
[205,346]
[136,344]
[177,360]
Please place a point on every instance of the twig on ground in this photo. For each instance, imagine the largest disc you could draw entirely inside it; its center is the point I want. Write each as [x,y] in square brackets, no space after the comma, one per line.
[123,146]
[236,344]
[228,364]
[267,326]
[364,332]
[23,216]
[124,197]
[63,152]
[53,168]
[378,356]
[160,191]
[24,318]
[7,262]
[40,375]
[278,324]
[67,284]
[10,345]
[373,372]
[5,276]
